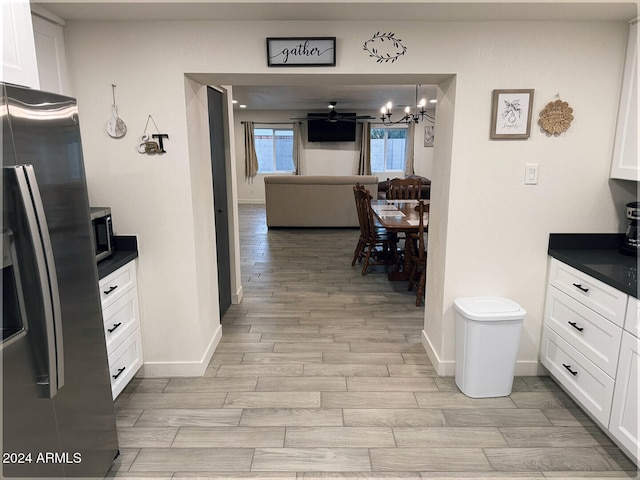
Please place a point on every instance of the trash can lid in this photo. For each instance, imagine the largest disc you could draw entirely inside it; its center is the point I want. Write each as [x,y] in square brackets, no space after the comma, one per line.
[488,309]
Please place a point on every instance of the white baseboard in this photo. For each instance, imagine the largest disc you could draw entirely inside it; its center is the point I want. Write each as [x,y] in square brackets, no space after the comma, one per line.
[183,369]
[237,297]
[530,368]
[447,368]
[252,201]
[443,368]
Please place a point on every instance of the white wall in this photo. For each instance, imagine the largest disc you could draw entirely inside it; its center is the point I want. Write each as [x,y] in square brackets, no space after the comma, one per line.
[491,230]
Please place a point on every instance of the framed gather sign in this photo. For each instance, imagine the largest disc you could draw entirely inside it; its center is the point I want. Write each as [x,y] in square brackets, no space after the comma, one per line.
[511,114]
[301,52]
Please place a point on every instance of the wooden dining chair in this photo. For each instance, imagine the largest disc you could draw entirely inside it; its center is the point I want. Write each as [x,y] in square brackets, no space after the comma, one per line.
[371,237]
[403,188]
[419,254]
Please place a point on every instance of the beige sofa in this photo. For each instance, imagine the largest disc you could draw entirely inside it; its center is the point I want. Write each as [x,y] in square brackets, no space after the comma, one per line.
[314,201]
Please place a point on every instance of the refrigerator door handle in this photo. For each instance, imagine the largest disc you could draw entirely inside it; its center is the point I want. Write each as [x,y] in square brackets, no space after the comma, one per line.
[36,220]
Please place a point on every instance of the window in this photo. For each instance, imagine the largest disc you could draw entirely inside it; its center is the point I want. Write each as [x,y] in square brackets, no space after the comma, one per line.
[274,147]
[388,147]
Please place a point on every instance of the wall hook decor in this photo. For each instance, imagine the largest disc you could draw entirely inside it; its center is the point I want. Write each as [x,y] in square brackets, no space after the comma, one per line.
[384,47]
[555,117]
[116,127]
[149,146]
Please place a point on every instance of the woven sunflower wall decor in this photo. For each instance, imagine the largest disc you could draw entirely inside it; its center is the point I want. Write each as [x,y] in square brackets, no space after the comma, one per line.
[555,118]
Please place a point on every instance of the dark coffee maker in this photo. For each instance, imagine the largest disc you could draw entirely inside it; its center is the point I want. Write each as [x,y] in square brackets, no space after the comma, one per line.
[631,243]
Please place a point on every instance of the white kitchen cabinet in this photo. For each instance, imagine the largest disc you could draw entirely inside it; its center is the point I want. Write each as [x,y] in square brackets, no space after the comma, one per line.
[587,331]
[624,413]
[632,320]
[587,384]
[624,162]
[594,294]
[120,312]
[583,321]
[587,348]
[19,64]
[48,32]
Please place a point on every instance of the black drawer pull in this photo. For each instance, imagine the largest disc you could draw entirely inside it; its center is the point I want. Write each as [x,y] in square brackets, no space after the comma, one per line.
[568,367]
[107,292]
[580,287]
[575,325]
[120,370]
[115,325]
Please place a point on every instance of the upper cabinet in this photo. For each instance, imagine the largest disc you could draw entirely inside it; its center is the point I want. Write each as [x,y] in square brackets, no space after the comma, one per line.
[624,164]
[19,65]
[48,32]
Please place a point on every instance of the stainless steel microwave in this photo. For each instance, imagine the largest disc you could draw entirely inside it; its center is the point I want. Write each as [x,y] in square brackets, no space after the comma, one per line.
[102,227]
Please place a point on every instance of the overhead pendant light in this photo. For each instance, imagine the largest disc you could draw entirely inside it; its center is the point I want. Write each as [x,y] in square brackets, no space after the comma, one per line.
[419,113]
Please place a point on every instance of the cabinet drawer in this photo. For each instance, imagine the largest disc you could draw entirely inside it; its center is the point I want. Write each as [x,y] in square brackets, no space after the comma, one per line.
[121,318]
[604,299]
[588,385]
[632,320]
[591,334]
[116,284]
[124,362]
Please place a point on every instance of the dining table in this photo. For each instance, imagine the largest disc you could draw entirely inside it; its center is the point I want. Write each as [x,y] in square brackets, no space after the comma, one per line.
[400,216]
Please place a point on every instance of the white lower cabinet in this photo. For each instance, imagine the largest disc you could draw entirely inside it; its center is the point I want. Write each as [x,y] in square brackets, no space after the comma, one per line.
[125,361]
[624,413]
[120,312]
[589,385]
[589,347]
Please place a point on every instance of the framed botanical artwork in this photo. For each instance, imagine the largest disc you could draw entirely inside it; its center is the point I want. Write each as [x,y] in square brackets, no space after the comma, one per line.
[429,134]
[511,114]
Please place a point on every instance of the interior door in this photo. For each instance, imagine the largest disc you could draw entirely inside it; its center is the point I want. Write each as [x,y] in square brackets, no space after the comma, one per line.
[219,174]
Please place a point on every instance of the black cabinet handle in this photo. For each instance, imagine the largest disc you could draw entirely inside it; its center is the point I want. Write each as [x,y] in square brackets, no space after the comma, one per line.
[115,325]
[580,287]
[575,325]
[568,367]
[120,370]
[107,292]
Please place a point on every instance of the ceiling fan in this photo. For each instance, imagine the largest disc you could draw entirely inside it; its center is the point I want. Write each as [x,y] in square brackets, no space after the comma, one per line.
[333,116]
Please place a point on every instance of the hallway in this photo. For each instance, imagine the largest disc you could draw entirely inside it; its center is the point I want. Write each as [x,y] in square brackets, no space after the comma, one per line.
[321,374]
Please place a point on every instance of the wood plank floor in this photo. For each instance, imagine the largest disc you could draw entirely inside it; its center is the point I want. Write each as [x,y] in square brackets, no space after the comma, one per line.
[321,374]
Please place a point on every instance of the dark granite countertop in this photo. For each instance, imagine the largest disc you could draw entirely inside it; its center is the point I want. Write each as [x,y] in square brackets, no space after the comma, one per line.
[126,249]
[597,255]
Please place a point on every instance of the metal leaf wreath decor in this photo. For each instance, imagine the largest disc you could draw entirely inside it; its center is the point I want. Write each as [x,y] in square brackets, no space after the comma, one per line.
[556,118]
[385,47]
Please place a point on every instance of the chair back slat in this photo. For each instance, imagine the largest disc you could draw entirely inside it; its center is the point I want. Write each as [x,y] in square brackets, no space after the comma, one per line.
[403,188]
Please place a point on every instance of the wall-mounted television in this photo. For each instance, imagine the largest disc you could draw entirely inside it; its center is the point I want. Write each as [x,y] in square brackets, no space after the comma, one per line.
[319,129]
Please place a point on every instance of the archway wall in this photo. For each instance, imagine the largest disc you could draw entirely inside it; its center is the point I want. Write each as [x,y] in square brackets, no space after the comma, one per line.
[489,231]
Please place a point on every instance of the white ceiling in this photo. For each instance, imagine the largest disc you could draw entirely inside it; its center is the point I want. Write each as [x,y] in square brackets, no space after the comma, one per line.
[342,10]
[348,97]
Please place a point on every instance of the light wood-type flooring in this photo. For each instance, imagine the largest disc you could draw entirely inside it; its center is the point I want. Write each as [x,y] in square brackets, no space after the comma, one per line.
[321,374]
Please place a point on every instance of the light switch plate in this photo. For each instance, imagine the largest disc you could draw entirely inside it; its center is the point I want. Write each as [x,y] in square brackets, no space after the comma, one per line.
[531,174]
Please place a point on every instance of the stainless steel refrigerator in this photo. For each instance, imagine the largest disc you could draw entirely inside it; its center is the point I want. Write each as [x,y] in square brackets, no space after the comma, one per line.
[57,411]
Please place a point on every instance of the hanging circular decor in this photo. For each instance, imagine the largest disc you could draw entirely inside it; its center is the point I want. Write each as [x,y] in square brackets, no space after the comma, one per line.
[556,118]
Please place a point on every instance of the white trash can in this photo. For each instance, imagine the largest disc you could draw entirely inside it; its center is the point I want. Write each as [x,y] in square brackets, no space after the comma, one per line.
[487,340]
